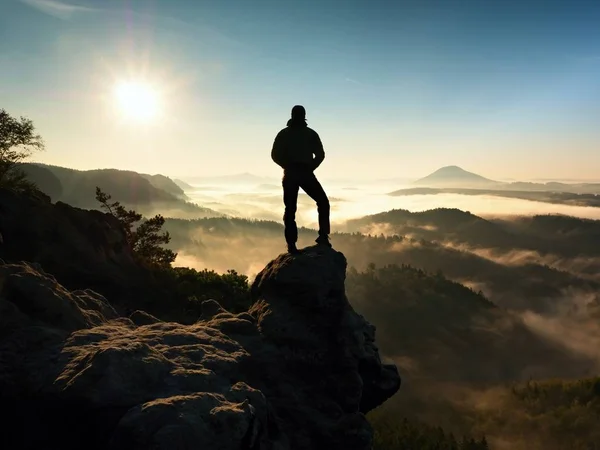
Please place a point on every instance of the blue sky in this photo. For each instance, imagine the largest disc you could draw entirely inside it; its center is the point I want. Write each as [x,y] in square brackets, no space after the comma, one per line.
[395,88]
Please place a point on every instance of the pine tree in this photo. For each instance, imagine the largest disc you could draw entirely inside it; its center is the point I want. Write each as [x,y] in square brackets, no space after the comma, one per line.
[144,241]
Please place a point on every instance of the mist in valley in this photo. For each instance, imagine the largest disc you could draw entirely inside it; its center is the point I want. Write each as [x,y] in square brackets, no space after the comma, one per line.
[543,323]
[348,201]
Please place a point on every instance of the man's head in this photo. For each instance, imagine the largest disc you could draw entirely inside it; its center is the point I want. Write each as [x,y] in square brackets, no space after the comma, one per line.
[298,112]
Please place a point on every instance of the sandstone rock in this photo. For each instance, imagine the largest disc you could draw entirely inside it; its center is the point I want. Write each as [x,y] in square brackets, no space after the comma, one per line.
[43,300]
[199,420]
[298,371]
[143,318]
[328,350]
[211,308]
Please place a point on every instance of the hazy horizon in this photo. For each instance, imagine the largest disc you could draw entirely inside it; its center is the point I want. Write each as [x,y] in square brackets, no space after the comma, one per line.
[361,199]
[363,178]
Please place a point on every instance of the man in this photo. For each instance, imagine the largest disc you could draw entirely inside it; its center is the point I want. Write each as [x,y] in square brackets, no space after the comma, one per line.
[299,151]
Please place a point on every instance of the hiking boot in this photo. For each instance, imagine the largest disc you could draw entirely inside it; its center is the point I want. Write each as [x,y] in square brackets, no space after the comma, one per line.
[292,249]
[323,240]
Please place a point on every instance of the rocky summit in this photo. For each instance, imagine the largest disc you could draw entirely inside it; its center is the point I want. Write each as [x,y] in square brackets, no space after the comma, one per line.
[298,370]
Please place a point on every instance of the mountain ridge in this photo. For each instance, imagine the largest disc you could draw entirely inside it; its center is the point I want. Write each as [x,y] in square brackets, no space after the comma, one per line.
[143,192]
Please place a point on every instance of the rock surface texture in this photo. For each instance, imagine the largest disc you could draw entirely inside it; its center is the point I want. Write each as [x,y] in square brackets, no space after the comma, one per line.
[297,371]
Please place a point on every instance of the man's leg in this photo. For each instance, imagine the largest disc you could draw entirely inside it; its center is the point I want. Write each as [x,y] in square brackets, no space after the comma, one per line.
[314,190]
[290,200]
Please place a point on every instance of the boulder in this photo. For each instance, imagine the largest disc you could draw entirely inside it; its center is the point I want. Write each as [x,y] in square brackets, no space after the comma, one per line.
[330,362]
[143,318]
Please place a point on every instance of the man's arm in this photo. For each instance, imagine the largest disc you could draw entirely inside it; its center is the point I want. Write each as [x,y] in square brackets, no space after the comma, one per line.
[278,151]
[318,151]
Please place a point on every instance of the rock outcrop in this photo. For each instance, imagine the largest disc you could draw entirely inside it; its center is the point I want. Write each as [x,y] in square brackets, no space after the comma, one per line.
[83,249]
[297,371]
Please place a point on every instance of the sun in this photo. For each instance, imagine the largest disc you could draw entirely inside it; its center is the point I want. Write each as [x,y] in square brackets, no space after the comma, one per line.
[137,100]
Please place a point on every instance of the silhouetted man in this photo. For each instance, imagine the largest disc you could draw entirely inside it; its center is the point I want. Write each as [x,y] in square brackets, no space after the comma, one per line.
[299,151]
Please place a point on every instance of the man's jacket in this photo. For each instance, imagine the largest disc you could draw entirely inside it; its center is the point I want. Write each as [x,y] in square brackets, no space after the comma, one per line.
[298,147]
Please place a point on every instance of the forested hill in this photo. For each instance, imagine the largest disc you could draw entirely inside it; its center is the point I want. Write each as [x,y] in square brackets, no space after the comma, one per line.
[146,193]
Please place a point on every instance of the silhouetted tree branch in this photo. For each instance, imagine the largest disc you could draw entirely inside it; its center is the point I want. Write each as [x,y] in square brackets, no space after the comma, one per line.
[18,141]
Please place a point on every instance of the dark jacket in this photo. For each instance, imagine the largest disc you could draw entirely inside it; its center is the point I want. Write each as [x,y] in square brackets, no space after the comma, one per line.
[298,146]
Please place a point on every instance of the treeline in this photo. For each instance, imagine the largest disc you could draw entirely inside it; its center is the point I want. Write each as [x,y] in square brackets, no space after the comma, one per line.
[554,234]
[549,414]
[394,433]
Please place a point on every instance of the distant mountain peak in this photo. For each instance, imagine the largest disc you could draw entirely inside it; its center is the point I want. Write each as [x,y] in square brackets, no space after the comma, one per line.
[453,176]
[454,170]
[451,168]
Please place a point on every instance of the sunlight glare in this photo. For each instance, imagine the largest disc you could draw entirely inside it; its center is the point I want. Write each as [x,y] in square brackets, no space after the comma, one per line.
[137,100]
